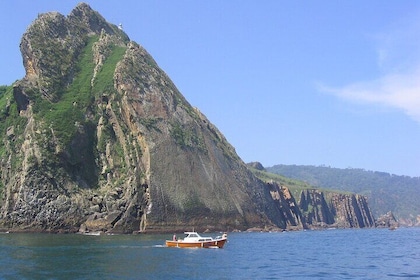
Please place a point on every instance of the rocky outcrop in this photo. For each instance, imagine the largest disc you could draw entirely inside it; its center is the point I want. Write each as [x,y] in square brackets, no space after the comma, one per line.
[96,137]
[256,165]
[102,140]
[409,222]
[290,213]
[335,209]
[388,220]
[315,209]
[53,43]
[351,210]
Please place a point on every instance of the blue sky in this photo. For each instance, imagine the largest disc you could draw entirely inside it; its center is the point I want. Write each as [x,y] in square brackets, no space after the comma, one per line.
[333,83]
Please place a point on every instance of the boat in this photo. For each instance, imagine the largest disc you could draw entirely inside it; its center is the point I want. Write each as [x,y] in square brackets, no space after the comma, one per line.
[93,233]
[193,240]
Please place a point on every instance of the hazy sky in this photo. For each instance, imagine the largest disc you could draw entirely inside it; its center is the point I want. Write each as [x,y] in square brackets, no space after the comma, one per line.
[333,83]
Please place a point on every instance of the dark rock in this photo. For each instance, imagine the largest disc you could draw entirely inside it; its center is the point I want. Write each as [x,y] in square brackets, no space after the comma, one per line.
[351,211]
[315,209]
[257,165]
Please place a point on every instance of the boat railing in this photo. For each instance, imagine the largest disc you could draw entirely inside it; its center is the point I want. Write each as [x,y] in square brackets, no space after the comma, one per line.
[205,239]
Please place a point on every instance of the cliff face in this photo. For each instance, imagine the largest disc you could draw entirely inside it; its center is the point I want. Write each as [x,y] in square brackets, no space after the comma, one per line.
[99,138]
[335,209]
[385,192]
[290,212]
[351,211]
[316,209]
[96,137]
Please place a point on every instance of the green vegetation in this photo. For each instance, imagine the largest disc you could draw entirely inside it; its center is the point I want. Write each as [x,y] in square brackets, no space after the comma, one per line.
[178,134]
[69,112]
[3,90]
[187,137]
[105,78]
[64,116]
[6,95]
[56,57]
[386,192]
[12,126]
[295,186]
[10,118]
[150,123]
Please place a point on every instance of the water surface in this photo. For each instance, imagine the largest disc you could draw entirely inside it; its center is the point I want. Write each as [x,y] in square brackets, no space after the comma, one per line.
[330,254]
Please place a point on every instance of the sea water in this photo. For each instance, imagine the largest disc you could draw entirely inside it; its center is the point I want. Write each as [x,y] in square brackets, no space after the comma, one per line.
[329,254]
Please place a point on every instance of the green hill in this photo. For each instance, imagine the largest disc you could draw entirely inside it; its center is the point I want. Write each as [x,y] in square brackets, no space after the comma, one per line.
[386,192]
[296,186]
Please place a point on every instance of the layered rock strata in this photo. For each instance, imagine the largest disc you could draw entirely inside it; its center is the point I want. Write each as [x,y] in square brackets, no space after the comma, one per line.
[96,137]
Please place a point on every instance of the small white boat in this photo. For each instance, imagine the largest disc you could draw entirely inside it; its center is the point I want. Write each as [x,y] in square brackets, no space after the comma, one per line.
[193,240]
[93,233]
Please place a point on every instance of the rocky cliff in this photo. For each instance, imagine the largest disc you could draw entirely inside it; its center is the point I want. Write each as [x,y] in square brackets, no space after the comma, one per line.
[99,138]
[96,137]
[335,209]
[290,212]
[316,209]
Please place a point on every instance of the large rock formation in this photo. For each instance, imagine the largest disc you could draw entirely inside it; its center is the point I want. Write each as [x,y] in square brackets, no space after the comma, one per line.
[105,141]
[316,209]
[335,209]
[96,137]
[290,212]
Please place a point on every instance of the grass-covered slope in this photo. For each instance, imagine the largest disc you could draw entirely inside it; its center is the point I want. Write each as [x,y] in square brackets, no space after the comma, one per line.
[296,186]
[386,192]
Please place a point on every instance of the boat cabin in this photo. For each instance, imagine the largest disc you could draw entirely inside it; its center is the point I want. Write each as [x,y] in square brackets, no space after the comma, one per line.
[195,237]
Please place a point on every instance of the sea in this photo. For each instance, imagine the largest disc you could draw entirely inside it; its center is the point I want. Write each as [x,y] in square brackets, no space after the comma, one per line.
[326,254]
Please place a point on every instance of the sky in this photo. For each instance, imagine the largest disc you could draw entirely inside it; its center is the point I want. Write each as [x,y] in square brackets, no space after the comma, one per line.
[332,83]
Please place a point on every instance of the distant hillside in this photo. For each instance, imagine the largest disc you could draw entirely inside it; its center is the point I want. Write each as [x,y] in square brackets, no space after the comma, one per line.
[312,207]
[386,192]
[296,186]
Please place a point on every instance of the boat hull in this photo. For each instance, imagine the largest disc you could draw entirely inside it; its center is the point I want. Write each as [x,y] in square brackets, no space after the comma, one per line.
[218,243]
